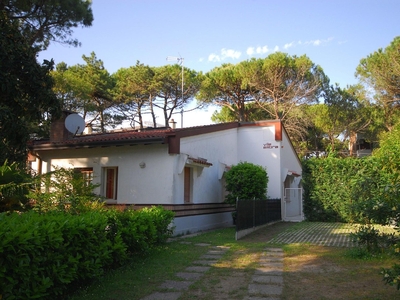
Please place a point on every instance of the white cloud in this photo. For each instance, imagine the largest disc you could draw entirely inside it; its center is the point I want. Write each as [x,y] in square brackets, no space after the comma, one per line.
[213,57]
[276,48]
[257,50]
[289,45]
[250,51]
[225,53]
[229,53]
[318,42]
[262,50]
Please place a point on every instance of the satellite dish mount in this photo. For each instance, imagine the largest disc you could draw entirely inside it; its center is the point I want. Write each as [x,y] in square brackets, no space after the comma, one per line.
[75,124]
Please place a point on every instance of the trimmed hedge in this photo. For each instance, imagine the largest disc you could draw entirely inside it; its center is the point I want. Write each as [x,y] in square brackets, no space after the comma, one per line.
[363,190]
[41,254]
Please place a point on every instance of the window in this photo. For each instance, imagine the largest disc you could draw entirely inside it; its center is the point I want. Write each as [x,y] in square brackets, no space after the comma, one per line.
[110,180]
[187,187]
[87,174]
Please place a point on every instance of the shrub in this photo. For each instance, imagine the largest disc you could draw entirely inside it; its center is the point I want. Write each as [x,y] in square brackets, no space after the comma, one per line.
[246,181]
[41,254]
[373,240]
[14,187]
[64,190]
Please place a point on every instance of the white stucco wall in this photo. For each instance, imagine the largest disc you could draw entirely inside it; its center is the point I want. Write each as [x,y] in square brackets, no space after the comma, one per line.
[148,185]
[291,162]
[257,145]
[219,148]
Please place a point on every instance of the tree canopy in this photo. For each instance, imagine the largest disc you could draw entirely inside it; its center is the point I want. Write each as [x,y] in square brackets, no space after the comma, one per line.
[381,71]
[26,97]
[41,22]
[227,86]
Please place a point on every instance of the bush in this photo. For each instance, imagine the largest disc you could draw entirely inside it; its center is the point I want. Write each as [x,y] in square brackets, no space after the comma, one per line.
[41,254]
[373,240]
[14,187]
[64,190]
[246,181]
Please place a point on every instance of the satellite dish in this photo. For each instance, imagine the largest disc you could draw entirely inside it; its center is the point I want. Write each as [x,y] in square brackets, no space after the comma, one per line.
[75,124]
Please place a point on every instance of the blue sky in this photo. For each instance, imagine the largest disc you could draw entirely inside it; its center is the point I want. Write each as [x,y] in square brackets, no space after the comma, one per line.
[334,34]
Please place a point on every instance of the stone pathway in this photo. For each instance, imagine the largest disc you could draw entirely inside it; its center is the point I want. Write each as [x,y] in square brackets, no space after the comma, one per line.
[172,289]
[267,281]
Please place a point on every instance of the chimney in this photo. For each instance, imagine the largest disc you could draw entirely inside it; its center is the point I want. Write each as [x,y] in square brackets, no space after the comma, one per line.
[172,124]
[58,132]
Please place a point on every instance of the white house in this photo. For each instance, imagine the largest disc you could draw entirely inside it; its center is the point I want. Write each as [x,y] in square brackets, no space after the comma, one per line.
[180,169]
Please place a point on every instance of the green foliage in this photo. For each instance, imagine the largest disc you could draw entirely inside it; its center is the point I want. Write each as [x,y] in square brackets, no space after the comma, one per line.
[381,71]
[14,187]
[373,240]
[167,85]
[25,93]
[141,229]
[41,255]
[365,191]
[52,20]
[246,181]
[228,86]
[64,190]
[392,276]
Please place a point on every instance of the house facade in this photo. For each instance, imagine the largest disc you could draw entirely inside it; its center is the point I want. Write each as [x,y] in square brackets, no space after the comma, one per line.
[180,169]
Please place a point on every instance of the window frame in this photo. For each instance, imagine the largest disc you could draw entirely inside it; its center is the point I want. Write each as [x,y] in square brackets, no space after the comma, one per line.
[110,183]
[87,174]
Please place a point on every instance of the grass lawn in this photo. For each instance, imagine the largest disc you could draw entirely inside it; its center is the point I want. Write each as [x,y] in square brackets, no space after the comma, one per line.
[310,272]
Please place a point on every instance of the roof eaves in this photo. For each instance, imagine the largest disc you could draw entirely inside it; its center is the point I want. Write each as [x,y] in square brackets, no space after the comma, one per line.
[102,143]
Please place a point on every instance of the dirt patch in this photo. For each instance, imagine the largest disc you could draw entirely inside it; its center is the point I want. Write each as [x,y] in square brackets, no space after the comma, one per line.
[218,286]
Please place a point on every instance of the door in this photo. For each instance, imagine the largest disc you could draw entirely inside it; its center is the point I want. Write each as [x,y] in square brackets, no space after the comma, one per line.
[293,204]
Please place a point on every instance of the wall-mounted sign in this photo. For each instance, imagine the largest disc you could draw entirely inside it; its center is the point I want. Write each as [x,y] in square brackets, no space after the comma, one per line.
[269,146]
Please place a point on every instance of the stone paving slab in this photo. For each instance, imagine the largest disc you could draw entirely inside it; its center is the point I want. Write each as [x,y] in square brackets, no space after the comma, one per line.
[273,249]
[205,262]
[202,244]
[268,271]
[211,256]
[274,265]
[176,285]
[189,275]
[270,259]
[260,298]
[267,279]
[221,252]
[199,269]
[273,254]
[265,289]
[163,296]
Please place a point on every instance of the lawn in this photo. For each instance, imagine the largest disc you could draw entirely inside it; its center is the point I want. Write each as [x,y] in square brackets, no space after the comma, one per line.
[310,271]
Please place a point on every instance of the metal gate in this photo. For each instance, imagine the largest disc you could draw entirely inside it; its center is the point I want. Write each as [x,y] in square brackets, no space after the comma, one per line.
[293,204]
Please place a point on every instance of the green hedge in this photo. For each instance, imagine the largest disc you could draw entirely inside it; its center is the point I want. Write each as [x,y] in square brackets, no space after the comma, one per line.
[362,190]
[41,254]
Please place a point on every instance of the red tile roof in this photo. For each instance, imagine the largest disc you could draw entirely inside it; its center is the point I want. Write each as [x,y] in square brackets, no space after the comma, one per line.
[135,137]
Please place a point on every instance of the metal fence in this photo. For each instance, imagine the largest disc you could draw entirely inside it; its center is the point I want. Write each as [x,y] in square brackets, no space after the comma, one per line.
[254,213]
